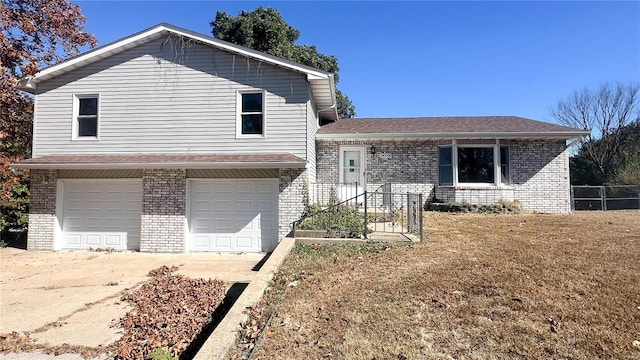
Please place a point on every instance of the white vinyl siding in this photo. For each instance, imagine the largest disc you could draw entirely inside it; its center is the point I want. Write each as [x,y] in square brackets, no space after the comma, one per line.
[157,100]
[312,129]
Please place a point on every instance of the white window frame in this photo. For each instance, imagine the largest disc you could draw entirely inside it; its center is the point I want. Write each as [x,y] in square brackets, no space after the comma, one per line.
[239,113]
[76,112]
[497,165]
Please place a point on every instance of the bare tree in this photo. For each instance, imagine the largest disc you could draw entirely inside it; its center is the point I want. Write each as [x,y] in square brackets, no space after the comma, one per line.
[604,112]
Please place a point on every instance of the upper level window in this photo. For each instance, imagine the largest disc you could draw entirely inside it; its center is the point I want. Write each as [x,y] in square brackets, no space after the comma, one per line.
[86,116]
[251,114]
[473,164]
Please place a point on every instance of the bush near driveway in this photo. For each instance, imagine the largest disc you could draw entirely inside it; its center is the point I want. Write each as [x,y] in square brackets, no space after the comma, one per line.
[480,286]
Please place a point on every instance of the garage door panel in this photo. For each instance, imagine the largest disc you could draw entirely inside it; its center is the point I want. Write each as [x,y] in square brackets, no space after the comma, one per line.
[266,206]
[222,225]
[222,242]
[113,240]
[202,205]
[224,188]
[244,205]
[93,239]
[244,188]
[101,214]
[266,188]
[266,224]
[236,215]
[222,205]
[245,242]
[201,224]
[202,241]
[74,239]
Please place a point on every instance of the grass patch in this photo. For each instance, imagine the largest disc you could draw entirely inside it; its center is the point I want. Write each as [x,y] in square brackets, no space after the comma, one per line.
[480,286]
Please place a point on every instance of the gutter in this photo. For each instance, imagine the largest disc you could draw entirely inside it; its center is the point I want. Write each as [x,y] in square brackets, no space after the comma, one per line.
[454,135]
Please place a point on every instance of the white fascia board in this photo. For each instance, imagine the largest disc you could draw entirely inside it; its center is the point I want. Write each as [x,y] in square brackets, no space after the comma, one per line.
[163,165]
[145,35]
[459,135]
[95,54]
[247,52]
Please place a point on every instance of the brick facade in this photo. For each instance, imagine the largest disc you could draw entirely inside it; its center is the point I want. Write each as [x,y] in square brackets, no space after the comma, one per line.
[42,210]
[164,194]
[540,175]
[539,172]
[292,198]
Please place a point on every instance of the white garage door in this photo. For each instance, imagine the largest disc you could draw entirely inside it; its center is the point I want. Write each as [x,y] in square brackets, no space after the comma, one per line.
[233,215]
[101,214]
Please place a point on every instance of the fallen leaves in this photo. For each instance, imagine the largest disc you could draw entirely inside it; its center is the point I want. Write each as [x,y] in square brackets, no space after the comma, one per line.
[169,311]
[13,341]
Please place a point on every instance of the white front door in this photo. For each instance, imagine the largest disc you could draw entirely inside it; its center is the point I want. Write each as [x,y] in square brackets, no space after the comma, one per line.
[351,172]
[229,215]
[101,214]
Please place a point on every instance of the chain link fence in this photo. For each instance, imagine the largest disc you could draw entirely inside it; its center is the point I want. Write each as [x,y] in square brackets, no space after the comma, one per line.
[613,197]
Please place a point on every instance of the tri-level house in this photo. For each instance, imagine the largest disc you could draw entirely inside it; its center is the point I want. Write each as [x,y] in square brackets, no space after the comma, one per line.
[173,141]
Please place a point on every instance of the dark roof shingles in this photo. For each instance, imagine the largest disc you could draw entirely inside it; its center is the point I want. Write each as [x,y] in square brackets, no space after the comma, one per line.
[442,125]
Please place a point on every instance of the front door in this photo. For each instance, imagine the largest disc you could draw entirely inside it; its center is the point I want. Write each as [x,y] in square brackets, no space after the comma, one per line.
[351,172]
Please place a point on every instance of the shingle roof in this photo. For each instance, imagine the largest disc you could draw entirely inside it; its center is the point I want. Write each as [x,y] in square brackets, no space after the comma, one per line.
[442,126]
[247,160]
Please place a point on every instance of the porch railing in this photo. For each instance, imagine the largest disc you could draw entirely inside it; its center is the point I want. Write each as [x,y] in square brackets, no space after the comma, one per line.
[382,210]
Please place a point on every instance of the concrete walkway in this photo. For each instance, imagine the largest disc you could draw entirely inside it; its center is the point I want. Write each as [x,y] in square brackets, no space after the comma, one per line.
[74,297]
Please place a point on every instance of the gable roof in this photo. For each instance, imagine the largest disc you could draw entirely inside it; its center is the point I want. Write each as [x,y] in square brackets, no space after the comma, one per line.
[477,127]
[321,82]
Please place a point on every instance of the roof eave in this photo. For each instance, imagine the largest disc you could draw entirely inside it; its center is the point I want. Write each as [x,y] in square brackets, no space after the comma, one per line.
[162,165]
[455,135]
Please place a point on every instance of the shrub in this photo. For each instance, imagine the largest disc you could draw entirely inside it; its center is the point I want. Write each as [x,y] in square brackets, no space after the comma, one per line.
[337,220]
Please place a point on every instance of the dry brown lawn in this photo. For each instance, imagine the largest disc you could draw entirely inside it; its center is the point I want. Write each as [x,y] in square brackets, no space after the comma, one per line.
[480,287]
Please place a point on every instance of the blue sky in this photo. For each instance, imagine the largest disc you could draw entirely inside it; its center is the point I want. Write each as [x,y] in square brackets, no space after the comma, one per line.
[423,58]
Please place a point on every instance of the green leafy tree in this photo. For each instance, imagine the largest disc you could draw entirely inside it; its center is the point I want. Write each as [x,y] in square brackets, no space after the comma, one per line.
[265,30]
[33,34]
[606,113]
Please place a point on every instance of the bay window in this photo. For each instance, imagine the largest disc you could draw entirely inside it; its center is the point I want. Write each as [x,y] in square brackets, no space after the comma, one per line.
[473,164]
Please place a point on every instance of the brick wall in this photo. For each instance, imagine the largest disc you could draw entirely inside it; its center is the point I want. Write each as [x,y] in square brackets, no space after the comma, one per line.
[479,196]
[291,198]
[164,194]
[539,172]
[327,161]
[42,210]
[397,162]
[410,166]
[540,175]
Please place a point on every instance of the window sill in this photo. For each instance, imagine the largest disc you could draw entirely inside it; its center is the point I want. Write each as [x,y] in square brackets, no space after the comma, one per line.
[250,136]
[85,138]
[476,187]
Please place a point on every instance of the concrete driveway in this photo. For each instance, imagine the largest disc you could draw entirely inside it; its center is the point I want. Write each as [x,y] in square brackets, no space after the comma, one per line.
[74,297]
